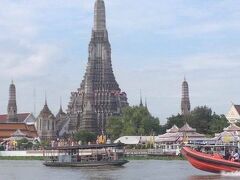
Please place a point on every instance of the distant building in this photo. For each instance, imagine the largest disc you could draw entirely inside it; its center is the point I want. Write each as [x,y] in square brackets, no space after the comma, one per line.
[46,124]
[16,124]
[233,114]
[230,134]
[135,140]
[176,135]
[173,135]
[12,104]
[185,102]
[8,130]
[99,95]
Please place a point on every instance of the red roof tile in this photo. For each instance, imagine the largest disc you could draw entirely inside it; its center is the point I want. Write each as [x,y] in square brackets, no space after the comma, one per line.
[7,129]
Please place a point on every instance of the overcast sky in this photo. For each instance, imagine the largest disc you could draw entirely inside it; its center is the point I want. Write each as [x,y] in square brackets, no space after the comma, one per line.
[43,46]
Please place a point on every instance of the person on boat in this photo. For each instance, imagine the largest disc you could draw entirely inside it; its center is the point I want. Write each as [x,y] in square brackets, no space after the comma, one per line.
[227,155]
[235,156]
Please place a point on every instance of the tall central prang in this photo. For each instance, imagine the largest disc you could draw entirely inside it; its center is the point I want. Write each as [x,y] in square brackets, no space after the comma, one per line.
[99,95]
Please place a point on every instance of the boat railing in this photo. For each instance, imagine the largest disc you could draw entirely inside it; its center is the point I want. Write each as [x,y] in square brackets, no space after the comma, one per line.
[82,156]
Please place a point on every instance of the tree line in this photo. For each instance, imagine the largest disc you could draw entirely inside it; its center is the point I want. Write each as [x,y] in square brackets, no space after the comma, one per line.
[137,121]
[202,118]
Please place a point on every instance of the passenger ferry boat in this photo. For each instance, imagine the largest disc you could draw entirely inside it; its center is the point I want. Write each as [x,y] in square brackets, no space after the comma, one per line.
[95,155]
[213,162]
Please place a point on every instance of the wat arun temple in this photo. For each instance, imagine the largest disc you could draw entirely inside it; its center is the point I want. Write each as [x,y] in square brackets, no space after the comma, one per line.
[99,95]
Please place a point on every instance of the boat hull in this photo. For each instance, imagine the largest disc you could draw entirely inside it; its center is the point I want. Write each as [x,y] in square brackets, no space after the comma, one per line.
[208,162]
[86,164]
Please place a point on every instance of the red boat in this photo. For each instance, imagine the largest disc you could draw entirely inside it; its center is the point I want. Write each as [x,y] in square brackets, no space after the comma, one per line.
[214,163]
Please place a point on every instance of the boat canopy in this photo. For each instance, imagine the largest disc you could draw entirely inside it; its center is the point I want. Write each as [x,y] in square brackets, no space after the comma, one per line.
[91,146]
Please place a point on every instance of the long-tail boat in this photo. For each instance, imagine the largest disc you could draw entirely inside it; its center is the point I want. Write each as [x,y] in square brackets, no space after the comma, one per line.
[94,155]
[214,163]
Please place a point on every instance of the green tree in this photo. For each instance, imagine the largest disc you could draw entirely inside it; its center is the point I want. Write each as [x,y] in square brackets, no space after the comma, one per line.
[133,121]
[114,127]
[24,144]
[218,123]
[85,136]
[200,119]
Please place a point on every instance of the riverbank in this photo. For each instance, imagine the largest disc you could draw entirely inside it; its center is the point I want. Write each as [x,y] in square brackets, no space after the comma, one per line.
[36,158]
[25,158]
[164,158]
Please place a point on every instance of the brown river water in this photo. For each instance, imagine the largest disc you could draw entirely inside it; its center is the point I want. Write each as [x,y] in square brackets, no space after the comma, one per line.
[134,170]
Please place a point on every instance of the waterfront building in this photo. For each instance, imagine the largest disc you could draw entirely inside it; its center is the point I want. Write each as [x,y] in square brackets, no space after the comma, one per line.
[170,142]
[176,135]
[185,101]
[172,136]
[46,124]
[135,140]
[233,114]
[8,130]
[230,134]
[99,95]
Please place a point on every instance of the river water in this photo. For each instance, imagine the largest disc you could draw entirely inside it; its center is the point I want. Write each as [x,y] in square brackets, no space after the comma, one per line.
[134,170]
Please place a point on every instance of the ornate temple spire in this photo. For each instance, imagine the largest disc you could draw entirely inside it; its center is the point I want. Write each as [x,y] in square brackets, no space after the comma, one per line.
[60,112]
[45,98]
[185,103]
[12,104]
[61,109]
[99,95]
[99,16]
[146,106]
[141,102]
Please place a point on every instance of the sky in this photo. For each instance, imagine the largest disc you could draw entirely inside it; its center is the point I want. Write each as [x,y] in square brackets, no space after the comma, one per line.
[44,48]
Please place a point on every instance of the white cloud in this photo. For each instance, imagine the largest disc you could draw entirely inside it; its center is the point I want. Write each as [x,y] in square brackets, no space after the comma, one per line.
[20,52]
[33,63]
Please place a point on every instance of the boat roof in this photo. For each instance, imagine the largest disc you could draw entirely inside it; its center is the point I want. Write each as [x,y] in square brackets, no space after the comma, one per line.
[210,145]
[92,146]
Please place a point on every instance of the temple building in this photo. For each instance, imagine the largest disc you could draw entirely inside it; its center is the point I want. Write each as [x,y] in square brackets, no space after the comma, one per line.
[46,124]
[230,134]
[99,95]
[185,102]
[233,115]
[176,135]
[9,130]
[16,124]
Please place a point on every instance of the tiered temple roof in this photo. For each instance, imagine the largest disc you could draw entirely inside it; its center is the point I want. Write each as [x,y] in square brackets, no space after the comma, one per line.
[177,135]
[8,129]
[232,127]
[174,129]
[187,128]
